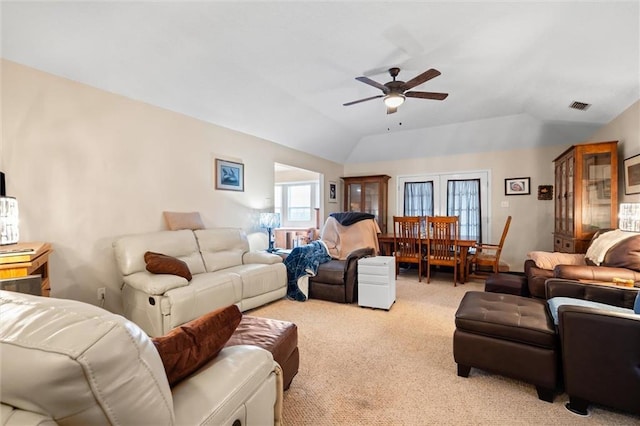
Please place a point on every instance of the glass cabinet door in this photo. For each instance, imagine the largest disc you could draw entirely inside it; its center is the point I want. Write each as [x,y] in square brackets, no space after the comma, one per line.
[354,191]
[367,194]
[570,195]
[596,190]
[562,196]
[371,195]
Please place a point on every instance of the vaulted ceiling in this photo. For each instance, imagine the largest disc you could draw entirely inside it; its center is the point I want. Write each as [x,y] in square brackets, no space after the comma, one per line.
[282,70]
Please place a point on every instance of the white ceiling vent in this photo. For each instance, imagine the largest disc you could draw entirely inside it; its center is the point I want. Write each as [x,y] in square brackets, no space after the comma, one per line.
[579,105]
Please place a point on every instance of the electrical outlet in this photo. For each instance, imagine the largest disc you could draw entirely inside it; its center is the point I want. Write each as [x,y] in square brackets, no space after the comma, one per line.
[101,293]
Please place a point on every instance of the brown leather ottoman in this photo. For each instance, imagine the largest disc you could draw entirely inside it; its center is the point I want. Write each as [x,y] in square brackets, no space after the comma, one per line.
[509,335]
[508,283]
[278,337]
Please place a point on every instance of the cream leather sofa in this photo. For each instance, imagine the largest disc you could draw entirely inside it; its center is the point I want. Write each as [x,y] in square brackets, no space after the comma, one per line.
[70,363]
[224,272]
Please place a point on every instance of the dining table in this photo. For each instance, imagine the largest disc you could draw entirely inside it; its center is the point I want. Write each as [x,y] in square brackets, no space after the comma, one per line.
[385,241]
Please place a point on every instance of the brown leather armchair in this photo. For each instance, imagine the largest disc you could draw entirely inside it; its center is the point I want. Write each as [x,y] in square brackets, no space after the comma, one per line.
[621,261]
[337,280]
[600,349]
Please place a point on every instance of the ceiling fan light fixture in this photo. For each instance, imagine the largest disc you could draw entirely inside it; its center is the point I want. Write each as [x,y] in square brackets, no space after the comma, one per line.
[394,100]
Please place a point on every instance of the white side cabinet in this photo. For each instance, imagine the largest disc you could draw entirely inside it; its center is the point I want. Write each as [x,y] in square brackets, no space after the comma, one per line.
[377,282]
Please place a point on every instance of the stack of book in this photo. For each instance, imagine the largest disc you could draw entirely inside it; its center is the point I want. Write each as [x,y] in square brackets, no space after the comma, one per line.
[21,252]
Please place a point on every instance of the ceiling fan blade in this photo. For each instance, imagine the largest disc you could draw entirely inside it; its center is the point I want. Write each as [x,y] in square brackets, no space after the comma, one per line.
[367,80]
[362,100]
[427,95]
[425,76]
[391,110]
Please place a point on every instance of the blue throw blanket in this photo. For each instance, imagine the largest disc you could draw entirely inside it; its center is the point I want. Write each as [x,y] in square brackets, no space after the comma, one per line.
[304,260]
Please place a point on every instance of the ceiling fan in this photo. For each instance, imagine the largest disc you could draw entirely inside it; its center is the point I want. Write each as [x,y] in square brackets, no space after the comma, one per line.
[395,92]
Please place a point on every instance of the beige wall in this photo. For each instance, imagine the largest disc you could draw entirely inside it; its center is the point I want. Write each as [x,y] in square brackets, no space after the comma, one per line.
[626,130]
[87,165]
[531,225]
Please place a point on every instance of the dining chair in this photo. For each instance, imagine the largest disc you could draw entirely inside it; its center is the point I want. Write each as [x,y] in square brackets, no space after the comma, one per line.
[442,245]
[407,245]
[487,256]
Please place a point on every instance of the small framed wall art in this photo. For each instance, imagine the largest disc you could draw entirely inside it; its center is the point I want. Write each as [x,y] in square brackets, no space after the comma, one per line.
[632,175]
[517,186]
[333,192]
[545,192]
[229,175]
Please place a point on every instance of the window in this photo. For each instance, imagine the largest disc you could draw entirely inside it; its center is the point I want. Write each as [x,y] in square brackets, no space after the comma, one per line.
[418,198]
[299,203]
[462,194]
[463,200]
[295,201]
[278,202]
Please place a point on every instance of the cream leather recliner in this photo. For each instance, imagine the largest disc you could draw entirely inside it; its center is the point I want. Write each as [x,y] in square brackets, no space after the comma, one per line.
[70,363]
[224,272]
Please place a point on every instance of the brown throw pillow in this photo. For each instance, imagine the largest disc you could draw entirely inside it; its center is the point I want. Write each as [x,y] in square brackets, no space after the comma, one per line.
[188,347]
[158,263]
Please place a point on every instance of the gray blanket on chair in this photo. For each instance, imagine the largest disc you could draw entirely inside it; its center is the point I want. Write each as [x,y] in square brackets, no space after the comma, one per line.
[304,260]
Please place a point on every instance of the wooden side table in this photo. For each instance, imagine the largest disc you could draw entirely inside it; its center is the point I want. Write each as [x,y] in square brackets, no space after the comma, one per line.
[23,259]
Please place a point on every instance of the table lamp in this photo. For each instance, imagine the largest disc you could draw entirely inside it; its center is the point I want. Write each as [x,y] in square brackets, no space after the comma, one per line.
[270,221]
[8,221]
[629,217]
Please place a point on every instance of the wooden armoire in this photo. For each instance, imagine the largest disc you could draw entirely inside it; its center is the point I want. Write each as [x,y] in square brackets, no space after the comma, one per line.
[586,199]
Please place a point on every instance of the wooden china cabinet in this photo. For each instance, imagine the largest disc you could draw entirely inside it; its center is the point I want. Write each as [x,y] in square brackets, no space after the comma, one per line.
[368,194]
[586,200]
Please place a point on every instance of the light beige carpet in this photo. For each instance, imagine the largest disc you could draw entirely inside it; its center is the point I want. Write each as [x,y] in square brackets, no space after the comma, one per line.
[360,366]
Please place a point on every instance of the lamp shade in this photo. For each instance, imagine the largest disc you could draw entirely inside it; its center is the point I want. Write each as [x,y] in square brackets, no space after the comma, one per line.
[269,220]
[394,100]
[9,221]
[629,217]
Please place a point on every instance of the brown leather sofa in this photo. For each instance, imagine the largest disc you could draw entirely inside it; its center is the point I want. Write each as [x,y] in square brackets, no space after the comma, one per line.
[600,349]
[337,280]
[621,261]
[597,351]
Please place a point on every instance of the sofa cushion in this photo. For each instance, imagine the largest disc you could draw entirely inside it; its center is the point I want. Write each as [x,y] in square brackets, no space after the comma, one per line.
[547,260]
[625,254]
[158,263]
[600,245]
[130,250]
[222,248]
[556,302]
[178,220]
[188,347]
[506,317]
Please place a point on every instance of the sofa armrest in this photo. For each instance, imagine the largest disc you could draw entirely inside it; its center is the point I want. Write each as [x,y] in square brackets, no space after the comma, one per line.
[599,365]
[350,276]
[356,255]
[261,257]
[536,278]
[237,375]
[594,273]
[154,284]
[617,296]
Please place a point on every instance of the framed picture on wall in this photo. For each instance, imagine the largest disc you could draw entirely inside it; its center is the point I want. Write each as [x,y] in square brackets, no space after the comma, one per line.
[517,186]
[229,175]
[632,175]
[545,192]
[333,192]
